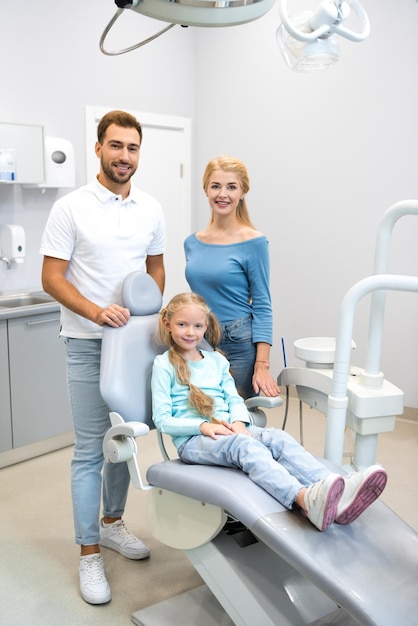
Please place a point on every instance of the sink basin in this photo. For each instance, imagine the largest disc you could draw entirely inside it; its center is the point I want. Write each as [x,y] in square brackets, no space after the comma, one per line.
[24,299]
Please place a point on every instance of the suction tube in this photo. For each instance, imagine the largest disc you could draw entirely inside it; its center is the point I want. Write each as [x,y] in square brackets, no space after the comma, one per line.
[338,400]
[381,265]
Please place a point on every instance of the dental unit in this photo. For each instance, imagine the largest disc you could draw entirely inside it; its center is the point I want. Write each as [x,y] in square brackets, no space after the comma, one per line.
[358,398]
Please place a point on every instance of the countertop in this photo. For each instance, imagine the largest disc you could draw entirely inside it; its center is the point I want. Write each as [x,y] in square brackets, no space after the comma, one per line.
[49,306]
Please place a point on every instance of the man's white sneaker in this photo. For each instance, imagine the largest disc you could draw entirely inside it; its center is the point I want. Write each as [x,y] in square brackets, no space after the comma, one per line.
[93,584]
[361,490]
[117,537]
[321,500]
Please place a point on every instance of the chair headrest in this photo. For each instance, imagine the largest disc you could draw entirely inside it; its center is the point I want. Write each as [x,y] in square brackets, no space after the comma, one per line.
[141,294]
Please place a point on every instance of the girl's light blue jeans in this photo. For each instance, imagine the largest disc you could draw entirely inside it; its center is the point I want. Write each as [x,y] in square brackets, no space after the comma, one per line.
[91,421]
[238,347]
[272,458]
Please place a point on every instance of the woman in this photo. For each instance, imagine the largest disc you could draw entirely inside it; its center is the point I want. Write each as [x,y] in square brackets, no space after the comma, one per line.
[228,264]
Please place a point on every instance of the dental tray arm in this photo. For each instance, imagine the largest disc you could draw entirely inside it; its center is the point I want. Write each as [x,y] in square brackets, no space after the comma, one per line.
[119,445]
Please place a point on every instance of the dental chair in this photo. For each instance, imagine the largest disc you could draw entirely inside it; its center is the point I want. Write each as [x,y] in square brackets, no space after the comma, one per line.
[276,569]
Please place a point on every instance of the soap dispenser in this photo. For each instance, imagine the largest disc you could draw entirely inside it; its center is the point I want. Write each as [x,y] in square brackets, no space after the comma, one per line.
[12,243]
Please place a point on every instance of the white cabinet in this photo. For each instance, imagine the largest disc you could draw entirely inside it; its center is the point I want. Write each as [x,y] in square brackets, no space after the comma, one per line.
[5,414]
[34,406]
[21,153]
[37,368]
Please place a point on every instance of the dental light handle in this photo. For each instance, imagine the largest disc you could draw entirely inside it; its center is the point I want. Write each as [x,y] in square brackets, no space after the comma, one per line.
[362,15]
[327,19]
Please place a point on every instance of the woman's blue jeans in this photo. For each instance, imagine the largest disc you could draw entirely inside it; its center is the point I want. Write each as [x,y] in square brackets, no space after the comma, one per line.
[238,347]
[91,421]
[272,458]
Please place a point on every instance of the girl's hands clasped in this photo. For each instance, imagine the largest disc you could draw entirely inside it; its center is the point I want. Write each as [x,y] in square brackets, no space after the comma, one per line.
[209,429]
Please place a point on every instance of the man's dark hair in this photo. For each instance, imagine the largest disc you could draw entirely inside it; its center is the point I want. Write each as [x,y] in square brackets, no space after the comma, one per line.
[120,118]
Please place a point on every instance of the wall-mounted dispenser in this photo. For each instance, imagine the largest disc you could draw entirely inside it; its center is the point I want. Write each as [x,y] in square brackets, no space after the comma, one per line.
[13,248]
[59,164]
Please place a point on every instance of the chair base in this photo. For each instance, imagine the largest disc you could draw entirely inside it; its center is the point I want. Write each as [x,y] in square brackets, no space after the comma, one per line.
[197,606]
[249,584]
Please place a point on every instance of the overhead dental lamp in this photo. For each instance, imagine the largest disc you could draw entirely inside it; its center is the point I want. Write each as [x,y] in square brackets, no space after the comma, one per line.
[189,13]
[309,40]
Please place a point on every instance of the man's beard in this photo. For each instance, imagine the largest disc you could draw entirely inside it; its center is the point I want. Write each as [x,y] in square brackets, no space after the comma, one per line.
[110,174]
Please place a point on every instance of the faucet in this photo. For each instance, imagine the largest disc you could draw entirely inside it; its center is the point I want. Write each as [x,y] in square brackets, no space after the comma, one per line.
[6,260]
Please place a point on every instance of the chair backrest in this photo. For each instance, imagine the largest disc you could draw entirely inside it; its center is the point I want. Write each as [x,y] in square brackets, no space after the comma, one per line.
[128,352]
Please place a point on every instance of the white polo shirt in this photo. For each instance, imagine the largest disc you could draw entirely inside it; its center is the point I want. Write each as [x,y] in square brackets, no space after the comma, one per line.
[104,238]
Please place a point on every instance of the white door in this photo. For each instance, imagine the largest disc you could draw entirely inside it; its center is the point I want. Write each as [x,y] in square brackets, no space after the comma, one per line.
[165,172]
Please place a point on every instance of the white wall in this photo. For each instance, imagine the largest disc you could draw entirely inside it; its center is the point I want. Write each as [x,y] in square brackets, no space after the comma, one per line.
[327,153]
[54,68]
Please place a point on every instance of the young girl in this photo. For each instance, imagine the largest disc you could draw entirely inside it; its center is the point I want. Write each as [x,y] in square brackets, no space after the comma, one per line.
[195,400]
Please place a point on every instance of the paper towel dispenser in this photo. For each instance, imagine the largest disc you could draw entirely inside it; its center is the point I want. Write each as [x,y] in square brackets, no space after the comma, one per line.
[59,164]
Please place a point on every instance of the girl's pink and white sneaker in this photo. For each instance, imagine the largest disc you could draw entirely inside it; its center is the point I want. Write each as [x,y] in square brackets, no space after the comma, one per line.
[360,491]
[321,500]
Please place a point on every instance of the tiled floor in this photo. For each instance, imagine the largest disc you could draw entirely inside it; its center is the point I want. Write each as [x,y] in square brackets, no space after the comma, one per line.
[39,561]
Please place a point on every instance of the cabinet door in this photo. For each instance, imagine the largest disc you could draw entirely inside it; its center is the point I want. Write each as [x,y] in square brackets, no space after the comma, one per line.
[38,383]
[5,415]
[22,149]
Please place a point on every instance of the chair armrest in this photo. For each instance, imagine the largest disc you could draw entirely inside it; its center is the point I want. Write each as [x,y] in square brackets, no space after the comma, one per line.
[119,445]
[258,416]
[264,401]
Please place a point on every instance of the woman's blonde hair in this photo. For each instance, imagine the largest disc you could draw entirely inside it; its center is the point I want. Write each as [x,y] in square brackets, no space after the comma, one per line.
[198,399]
[231,164]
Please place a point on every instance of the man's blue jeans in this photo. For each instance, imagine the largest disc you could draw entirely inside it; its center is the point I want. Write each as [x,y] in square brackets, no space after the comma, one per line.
[272,458]
[91,421]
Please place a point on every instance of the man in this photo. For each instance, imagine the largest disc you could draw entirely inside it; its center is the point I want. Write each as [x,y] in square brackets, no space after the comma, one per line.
[94,237]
